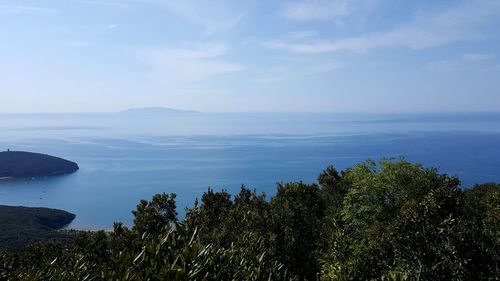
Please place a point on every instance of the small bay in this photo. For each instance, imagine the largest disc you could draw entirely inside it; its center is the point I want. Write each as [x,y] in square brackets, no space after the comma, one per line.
[124,159]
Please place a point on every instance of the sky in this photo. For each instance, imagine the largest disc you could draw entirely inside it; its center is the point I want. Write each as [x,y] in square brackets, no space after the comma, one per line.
[250,55]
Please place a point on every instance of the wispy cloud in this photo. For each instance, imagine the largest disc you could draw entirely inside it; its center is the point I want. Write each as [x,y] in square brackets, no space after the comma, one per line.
[80,43]
[291,69]
[111,26]
[18,9]
[284,73]
[190,64]
[323,10]
[302,34]
[107,3]
[476,59]
[213,16]
[427,30]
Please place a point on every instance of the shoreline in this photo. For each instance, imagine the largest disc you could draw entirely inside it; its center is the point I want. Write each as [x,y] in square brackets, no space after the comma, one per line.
[88,229]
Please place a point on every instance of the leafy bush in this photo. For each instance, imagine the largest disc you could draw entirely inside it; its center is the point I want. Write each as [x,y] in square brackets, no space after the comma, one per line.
[392,221]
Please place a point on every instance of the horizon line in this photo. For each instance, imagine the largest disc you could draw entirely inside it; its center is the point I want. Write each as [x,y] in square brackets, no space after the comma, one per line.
[187,111]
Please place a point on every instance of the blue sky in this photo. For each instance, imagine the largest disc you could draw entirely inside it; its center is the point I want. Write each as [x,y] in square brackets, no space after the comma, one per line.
[252,55]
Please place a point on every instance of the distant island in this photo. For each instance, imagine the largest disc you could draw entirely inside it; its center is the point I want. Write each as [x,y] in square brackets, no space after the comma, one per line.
[20,226]
[155,111]
[20,164]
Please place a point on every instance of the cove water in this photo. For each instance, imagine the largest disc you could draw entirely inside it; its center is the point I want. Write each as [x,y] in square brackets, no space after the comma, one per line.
[124,159]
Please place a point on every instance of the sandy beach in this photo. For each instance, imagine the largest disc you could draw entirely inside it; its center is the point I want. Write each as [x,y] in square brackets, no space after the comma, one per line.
[88,229]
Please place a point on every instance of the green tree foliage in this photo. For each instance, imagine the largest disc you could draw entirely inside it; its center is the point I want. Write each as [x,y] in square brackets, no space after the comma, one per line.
[287,226]
[155,217]
[211,217]
[158,247]
[296,214]
[482,207]
[403,217]
[393,220]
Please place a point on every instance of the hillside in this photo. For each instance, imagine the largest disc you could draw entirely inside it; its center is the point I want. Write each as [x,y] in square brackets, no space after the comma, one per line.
[19,164]
[20,226]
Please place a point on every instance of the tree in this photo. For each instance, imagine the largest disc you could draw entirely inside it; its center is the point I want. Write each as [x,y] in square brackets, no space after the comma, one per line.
[482,208]
[156,216]
[401,217]
[296,214]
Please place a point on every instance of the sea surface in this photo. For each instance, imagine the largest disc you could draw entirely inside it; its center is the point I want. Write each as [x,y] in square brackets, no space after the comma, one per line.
[125,158]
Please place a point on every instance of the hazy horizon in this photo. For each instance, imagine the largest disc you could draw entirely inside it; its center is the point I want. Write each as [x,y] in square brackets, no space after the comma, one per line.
[187,111]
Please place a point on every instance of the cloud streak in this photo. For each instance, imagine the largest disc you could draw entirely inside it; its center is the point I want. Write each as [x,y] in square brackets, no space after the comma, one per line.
[107,3]
[428,30]
[80,43]
[465,60]
[285,73]
[189,64]
[18,9]
[325,10]
[213,16]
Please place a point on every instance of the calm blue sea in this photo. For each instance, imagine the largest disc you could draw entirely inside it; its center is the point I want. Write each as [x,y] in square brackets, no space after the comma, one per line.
[124,158]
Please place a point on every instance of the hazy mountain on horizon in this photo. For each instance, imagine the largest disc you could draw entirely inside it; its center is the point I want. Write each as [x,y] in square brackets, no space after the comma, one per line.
[155,110]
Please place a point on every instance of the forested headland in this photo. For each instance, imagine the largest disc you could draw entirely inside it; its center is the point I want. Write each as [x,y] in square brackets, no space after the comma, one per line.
[21,226]
[394,220]
[21,164]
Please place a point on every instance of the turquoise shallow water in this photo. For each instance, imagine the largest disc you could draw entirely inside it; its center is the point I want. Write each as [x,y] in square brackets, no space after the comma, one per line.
[124,159]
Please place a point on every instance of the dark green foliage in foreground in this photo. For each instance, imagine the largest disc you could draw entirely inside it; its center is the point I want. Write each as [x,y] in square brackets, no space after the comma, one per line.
[20,226]
[155,217]
[19,164]
[296,214]
[392,221]
[402,217]
[175,252]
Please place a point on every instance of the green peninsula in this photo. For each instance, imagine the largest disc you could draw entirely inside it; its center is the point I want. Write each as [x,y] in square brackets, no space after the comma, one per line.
[20,164]
[21,226]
